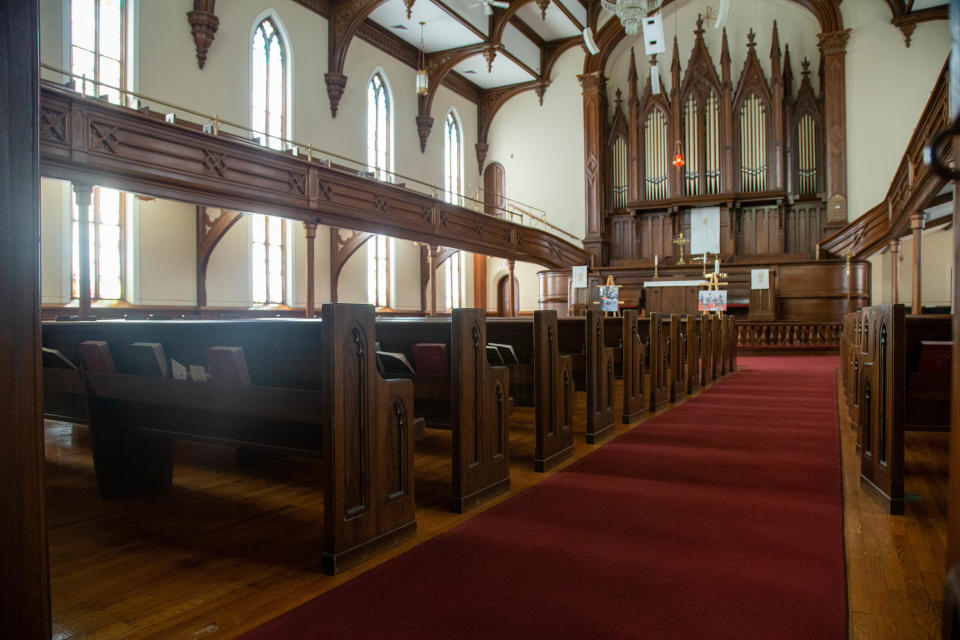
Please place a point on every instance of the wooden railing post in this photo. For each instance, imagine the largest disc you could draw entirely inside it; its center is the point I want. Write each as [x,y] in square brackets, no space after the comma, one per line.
[916,224]
[894,270]
[84,195]
[310,231]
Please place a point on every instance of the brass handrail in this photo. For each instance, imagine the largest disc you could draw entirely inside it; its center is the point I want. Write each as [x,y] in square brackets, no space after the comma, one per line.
[217,122]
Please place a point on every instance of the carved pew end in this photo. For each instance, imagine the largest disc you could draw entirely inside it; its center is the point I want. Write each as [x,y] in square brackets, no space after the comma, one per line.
[334,563]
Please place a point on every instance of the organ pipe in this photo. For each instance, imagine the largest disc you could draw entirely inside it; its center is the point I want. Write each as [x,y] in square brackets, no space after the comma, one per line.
[620,173]
[712,137]
[655,156]
[691,180]
[753,145]
[807,156]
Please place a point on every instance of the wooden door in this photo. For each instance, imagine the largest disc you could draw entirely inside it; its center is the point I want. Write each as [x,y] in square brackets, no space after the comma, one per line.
[494,190]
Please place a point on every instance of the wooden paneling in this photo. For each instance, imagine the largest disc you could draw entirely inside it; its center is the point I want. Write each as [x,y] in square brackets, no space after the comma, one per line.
[24,579]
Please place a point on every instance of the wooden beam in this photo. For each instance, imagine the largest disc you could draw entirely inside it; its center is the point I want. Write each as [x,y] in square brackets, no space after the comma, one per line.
[916,224]
[24,573]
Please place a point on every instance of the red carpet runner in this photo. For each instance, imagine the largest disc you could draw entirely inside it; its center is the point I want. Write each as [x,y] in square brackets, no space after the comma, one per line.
[721,518]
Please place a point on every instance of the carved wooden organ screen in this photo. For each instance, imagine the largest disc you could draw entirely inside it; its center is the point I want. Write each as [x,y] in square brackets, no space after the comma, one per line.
[752,136]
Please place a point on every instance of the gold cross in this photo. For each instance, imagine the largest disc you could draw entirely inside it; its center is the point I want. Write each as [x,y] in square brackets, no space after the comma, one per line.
[680,240]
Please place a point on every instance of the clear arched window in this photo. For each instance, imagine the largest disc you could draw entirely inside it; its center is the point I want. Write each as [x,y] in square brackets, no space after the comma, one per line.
[379,271]
[454,292]
[269,84]
[268,119]
[379,134]
[98,38]
[452,159]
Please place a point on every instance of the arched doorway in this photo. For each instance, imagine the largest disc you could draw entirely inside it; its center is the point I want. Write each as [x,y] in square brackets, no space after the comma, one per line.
[503,296]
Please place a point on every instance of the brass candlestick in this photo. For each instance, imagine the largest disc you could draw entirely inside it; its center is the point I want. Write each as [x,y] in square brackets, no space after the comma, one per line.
[680,240]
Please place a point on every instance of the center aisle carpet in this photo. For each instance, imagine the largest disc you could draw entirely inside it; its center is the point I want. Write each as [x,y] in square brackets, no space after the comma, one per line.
[720,518]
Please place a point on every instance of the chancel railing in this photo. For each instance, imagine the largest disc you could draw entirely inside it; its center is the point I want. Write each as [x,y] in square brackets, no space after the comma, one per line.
[789,335]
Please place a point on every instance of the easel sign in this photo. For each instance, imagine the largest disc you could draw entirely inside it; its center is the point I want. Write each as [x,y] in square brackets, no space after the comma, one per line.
[609,297]
[713,300]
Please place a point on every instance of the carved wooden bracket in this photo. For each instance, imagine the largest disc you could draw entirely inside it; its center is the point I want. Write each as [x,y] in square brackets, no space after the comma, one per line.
[211,227]
[346,17]
[343,244]
[906,19]
[438,65]
[204,25]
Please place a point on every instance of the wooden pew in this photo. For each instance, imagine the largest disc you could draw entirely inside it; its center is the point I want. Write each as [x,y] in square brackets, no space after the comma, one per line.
[472,400]
[584,339]
[706,351]
[717,342]
[732,342]
[633,355]
[678,358]
[659,366]
[543,379]
[900,388]
[314,391]
[693,353]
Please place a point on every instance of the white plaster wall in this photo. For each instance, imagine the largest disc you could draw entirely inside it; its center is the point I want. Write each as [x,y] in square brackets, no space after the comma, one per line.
[888,85]
[541,147]
[527,282]
[55,250]
[166,237]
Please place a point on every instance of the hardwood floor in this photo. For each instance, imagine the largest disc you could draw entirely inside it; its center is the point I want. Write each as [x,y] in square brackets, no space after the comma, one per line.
[896,565]
[226,550]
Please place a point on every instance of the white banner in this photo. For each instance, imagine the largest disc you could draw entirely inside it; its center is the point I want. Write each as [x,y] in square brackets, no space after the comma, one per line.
[704,230]
[759,278]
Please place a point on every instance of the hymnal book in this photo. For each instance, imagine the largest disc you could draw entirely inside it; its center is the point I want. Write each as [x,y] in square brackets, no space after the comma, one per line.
[53,359]
[198,373]
[96,356]
[936,356]
[506,352]
[227,365]
[149,359]
[494,357]
[177,370]
[393,364]
[430,359]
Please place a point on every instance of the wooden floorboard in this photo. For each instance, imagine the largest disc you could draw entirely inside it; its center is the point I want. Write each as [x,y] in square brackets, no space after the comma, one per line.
[226,550]
[896,564]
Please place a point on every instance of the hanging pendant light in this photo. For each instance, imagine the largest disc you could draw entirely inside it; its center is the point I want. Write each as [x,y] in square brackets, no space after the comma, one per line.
[423,82]
[678,160]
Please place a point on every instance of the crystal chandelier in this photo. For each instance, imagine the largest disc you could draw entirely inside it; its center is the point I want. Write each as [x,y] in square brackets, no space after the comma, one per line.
[631,12]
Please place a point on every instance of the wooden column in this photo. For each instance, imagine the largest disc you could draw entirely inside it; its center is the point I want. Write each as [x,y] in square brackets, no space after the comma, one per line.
[594,86]
[916,224]
[310,230]
[84,194]
[24,575]
[432,268]
[479,281]
[834,48]
[894,270]
[510,284]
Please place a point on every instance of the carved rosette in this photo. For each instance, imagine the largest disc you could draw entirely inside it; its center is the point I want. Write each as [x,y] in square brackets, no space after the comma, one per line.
[203,25]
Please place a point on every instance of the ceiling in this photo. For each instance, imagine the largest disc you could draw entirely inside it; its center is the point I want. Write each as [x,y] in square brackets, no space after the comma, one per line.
[452,24]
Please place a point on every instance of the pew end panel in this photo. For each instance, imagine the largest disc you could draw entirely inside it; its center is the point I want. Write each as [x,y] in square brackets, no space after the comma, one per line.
[368,443]
[693,354]
[554,394]
[481,411]
[599,367]
[634,400]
